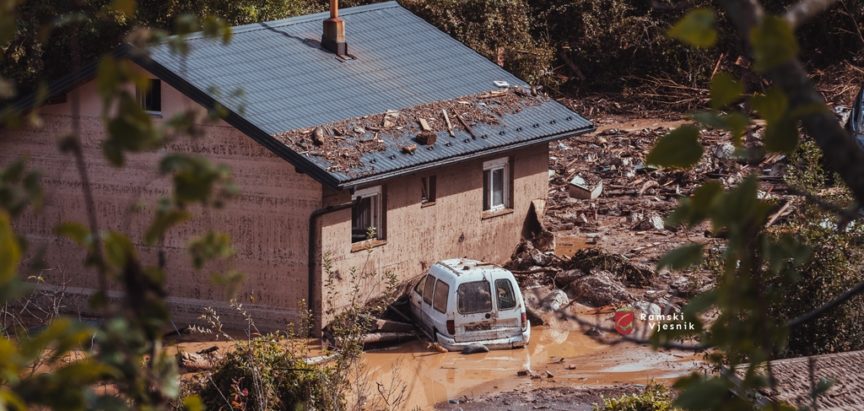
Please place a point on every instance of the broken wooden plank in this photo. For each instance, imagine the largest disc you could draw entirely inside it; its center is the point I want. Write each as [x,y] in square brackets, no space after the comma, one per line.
[449,124]
[464,124]
[424,125]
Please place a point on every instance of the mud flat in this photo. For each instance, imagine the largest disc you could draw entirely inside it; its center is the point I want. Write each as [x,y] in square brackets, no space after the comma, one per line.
[567,365]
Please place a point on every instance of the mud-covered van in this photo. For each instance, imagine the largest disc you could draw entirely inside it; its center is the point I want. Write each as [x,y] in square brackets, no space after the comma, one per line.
[459,302]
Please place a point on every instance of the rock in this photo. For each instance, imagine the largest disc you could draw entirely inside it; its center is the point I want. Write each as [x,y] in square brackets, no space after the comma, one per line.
[657,222]
[648,308]
[437,347]
[598,289]
[564,278]
[318,136]
[524,373]
[724,151]
[571,366]
[549,374]
[593,332]
[555,300]
[475,348]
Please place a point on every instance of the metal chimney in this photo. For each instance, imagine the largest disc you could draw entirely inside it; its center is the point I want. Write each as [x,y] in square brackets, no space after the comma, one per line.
[333,38]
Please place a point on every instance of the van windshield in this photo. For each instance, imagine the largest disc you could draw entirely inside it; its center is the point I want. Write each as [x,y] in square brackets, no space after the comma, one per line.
[474,297]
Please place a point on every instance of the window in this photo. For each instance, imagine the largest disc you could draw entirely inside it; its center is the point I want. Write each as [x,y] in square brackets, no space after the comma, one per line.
[428,287]
[151,97]
[442,291]
[427,190]
[366,215]
[496,184]
[504,294]
[419,287]
[474,297]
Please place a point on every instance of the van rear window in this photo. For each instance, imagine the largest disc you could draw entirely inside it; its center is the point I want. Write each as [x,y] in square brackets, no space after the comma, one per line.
[442,291]
[474,297]
[504,294]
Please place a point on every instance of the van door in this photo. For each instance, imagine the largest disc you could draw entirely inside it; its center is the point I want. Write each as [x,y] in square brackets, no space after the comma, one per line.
[438,311]
[426,305]
[475,312]
[508,306]
[416,299]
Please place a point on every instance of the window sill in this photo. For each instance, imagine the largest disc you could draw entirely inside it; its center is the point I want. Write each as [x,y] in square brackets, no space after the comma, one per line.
[496,213]
[366,245]
[427,204]
[154,114]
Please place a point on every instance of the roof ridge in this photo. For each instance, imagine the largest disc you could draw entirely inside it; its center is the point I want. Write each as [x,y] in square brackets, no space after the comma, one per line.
[303,18]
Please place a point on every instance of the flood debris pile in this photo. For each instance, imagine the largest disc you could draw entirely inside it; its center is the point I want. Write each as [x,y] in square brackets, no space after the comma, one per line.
[343,144]
[591,276]
[605,175]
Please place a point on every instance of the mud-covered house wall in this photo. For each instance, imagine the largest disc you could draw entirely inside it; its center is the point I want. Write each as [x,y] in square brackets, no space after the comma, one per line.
[418,235]
[267,221]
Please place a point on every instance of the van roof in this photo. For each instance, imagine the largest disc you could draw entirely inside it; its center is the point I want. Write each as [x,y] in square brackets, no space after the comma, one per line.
[467,269]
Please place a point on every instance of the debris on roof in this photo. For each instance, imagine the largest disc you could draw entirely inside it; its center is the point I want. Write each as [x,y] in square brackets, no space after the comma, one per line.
[343,144]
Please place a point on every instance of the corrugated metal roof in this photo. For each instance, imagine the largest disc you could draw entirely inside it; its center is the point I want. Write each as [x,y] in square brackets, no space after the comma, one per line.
[288,82]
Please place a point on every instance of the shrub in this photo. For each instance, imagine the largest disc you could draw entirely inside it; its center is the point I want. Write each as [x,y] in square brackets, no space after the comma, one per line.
[656,397]
[266,373]
[833,266]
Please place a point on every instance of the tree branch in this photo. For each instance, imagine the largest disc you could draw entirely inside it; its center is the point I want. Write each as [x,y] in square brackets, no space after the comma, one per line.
[842,154]
[840,299]
[805,10]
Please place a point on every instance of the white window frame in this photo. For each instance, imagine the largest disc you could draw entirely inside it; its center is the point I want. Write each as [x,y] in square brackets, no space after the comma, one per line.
[377,217]
[141,95]
[489,167]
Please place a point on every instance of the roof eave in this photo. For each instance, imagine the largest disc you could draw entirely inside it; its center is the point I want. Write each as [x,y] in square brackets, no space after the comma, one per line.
[363,181]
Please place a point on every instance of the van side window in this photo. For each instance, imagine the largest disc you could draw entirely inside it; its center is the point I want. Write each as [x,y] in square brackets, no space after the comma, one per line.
[474,297]
[428,288]
[442,292]
[504,294]
[419,287]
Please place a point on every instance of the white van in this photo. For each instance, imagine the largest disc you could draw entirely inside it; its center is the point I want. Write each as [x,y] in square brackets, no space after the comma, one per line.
[459,302]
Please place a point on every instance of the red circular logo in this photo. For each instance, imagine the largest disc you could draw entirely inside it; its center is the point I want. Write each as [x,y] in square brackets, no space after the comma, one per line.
[624,321]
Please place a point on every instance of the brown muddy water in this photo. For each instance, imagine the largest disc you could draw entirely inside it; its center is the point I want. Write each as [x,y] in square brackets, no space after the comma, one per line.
[570,357]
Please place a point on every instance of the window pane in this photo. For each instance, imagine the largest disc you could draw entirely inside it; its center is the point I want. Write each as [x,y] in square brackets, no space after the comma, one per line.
[442,291]
[361,219]
[504,294]
[486,194]
[419,287]
[427,289]
[498,187]
[474,297]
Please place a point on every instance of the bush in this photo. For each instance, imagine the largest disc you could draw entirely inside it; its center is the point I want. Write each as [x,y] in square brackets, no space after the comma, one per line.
[266,373]
[833,268]
[656,397]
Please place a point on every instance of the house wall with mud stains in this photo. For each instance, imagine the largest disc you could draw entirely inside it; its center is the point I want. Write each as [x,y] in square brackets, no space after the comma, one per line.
[418,236]
[267,221]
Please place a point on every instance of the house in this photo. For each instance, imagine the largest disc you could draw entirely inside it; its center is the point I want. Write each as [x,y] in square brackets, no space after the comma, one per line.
[326,145]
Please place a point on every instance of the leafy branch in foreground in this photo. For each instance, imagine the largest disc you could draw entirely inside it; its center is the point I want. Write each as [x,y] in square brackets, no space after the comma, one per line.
[758,266]
[124,351]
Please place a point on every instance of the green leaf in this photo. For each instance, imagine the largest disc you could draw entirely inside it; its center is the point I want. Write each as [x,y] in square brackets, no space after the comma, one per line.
[165,219]
[734,122]
[193,403]
[773,43]
[772,105]
[682,257]
[10,250]
[696,209]
[678,149]
[74,231]
[127,7]
[696,28]
[725,90]
[700,393]
[781,136]
[210,246]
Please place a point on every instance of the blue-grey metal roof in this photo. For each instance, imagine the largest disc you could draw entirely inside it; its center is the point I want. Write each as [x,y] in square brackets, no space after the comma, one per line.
[288,82]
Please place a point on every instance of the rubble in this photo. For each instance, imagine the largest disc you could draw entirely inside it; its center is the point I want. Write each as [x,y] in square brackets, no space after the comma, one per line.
[598,289]
[344,143]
